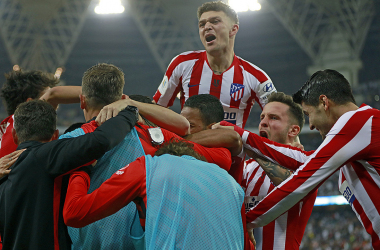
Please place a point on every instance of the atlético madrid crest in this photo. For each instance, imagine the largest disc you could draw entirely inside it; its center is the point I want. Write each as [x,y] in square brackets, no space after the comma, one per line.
[237,91]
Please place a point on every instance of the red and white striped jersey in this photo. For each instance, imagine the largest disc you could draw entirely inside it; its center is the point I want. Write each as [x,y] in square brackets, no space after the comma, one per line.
[7,145]
[286,231]
[352,145]
[237,88]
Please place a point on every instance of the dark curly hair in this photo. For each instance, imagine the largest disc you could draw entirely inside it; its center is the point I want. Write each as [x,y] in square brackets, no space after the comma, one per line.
[21,85]
[179,147]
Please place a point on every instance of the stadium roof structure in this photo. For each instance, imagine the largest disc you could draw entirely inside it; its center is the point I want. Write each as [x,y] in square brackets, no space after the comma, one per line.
[289,39]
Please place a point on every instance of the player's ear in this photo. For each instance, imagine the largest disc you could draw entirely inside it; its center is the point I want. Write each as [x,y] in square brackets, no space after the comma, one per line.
[324,101]
[234,30]
[55,135]
[294,130]
[15,137]
[83,103]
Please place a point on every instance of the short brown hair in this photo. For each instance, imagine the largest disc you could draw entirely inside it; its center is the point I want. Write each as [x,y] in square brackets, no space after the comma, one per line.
[102,84]
[218,6]
[295,110]
[35,121]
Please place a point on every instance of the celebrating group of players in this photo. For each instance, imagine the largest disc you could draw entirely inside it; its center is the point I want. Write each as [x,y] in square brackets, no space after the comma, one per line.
[185,173]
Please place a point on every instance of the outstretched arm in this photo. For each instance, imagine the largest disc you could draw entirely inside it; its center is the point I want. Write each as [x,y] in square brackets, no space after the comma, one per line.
[219,138]
[347,141]
[62,95]
[124,186]
[275,172]
[162,117]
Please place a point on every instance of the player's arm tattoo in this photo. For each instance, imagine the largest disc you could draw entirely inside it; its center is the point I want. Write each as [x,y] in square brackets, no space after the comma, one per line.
[275,172]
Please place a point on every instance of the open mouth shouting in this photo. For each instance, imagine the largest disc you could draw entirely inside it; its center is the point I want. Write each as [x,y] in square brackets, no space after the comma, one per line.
[264,134]
[210,38]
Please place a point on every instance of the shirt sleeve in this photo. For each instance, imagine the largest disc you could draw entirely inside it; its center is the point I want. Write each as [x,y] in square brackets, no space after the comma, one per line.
[171,84]
[218,156]
[345,142]
[283,155]
[64,155]
[124,186]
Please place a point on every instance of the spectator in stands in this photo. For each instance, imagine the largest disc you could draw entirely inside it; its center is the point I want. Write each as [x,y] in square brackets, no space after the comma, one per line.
[176,191]
[30,194]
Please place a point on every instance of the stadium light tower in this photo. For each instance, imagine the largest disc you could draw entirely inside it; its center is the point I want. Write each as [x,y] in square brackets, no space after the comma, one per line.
[109,7]
[244,5]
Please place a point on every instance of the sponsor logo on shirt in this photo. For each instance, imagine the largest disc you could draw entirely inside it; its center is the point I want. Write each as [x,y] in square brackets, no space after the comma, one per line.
[216,83]
[121,170]
[236,91]
[268,87]
[251,201]
[347,192]
[230,117]
[193,85]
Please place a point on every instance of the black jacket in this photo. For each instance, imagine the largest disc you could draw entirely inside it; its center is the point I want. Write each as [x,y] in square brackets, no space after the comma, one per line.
[30,194]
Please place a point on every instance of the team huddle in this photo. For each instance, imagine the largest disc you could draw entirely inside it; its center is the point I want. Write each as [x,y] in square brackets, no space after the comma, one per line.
[137,175]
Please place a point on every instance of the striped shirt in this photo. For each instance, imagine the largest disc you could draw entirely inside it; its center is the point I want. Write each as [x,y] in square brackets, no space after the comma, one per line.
[286,231]
[237,88]
[352,145]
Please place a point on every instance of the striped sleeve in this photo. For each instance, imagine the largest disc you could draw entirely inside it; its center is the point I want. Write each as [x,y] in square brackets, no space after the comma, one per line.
[345,142]
[283,155]
[171,84]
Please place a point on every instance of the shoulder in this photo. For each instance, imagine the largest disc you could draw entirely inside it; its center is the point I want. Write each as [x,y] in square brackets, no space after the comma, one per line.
[253,70]
[84,129]
[187,56]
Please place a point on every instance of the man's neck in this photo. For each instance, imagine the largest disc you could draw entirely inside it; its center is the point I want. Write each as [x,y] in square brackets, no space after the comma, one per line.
[219,62]
[91,113]
[340,110]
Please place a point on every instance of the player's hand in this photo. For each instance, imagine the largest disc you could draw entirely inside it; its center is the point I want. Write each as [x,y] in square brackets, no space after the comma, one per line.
[251,237]
[7,161]
[297,143]
[217,125]
[111,110]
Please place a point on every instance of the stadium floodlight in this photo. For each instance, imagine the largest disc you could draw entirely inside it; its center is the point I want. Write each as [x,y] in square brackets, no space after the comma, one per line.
[109,7]
[244,5]
[330,200]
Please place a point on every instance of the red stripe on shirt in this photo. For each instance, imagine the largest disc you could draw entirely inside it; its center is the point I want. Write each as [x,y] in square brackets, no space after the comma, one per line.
[367,224]
[268,235]
[195,79]
[216,85]
[368,183]
[177,90]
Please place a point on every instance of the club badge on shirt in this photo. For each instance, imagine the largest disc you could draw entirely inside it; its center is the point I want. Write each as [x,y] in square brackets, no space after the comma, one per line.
[236,91]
